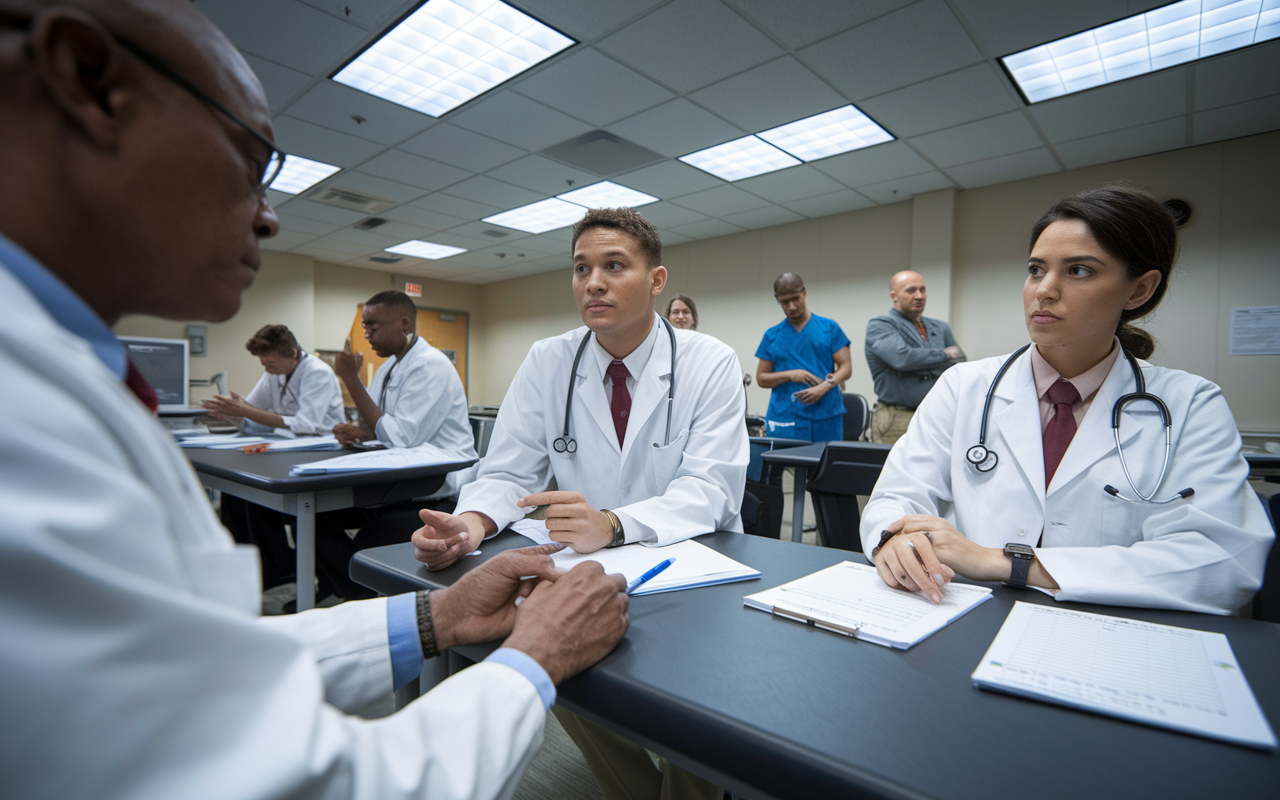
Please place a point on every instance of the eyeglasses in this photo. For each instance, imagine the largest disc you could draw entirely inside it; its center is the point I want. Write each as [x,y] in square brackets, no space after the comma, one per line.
[275,161]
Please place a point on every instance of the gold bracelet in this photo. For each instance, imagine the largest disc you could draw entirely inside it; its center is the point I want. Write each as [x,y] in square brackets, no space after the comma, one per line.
[426,629]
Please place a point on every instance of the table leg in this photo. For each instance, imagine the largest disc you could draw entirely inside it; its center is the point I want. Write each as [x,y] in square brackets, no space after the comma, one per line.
[797,504]
[305,539]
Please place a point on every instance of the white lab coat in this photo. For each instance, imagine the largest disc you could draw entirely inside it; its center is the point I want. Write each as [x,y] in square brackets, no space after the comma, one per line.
[1204,554]
[425,403]
[309,400]
[133,662]
[661,493]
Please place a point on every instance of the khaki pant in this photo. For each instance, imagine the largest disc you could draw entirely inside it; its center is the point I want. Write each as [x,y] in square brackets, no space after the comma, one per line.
[624,769]
[888,423]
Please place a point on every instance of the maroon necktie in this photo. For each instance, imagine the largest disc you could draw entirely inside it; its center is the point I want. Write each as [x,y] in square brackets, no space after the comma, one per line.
[1058,433]
[139,386]
[620,405]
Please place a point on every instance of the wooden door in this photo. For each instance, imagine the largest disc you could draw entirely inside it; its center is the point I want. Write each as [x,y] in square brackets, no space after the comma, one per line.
[443,329]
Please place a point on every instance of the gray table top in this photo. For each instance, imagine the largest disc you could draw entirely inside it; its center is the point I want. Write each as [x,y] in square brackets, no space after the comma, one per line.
[270,471]
[791,711]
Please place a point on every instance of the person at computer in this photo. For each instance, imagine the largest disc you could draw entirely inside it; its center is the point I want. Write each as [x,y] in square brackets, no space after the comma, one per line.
[1045,499]
[115,576]
[297,391]
[803,359]
[632,467]
[682,312]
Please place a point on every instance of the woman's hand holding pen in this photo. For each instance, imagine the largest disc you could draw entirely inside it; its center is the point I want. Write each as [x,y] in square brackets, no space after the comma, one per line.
[915,559]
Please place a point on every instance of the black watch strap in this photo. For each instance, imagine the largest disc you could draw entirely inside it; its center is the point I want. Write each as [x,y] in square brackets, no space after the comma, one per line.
[1020,557]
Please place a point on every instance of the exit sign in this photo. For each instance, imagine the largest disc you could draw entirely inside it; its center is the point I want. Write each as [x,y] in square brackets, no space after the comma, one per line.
[413,289]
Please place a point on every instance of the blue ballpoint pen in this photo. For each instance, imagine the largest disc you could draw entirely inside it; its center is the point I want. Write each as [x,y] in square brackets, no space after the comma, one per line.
[638,582]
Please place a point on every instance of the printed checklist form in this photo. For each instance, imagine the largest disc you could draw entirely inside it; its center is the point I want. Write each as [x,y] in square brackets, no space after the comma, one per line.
[1159,675]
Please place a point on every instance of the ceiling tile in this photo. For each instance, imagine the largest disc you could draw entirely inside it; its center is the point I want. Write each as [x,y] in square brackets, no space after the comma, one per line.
[561,235]
[1142,140]
[323,212]
[964,95]
[319,143]
[399,232]
[369,240]
[476,229]
[688,44]
[1004,31]
[542,175]
[461,148]
[372,184]
[763,217]
[403,266]
[397,165]
[668,179]
[322,253]
[799,24]
[676,128]
[494,257]
[1235,77]
[1110,108]
[975,141]
[915,43]
[665,215]
[368,14]
[483,189]
[721,200]
[873,164]
[336,245]
[297,224]
[517,120]
[615,91]
[585,19]
[420,217]
[1005,168]
[1242,119]
[285,32]
[279,82]
[769,95]
[900,189]
[790,184]
[708,229]
[671,239]
[828,204]
[286,240]
[454,206]
[336,106]
[457,240]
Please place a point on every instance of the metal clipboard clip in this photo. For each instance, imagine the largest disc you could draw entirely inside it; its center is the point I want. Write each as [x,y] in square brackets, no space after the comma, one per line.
[796,616]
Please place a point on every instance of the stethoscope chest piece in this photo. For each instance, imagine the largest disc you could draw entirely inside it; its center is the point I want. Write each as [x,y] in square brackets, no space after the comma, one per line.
[563,445]
[981,458]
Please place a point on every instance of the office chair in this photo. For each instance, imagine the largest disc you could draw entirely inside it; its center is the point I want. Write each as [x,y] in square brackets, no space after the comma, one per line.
[763,496]
[1266,603]
[482,430]
[847,470]
[857,416]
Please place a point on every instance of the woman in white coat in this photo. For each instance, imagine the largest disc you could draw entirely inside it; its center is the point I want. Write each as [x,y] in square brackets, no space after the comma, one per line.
[1047,502]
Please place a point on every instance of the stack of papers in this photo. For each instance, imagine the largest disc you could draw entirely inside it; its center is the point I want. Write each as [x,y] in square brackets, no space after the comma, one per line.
[695,565]
[306,443]
[851,599]
[421,456]
[1154,674]
[221,441]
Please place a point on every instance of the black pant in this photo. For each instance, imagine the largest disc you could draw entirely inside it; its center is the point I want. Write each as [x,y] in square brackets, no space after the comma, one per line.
[394,523]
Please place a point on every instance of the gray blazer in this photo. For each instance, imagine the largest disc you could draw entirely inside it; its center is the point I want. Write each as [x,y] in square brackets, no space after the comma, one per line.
[903,365]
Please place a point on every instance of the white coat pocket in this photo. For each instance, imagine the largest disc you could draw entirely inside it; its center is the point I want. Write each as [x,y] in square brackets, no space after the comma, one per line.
[664,461]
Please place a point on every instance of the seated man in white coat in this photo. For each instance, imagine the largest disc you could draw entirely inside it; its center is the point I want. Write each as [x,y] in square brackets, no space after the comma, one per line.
[638,462]
[115,576]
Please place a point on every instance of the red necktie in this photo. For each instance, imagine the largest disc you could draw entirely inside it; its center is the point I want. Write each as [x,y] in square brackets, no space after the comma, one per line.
[139,386]
[1060,430]
[620,405]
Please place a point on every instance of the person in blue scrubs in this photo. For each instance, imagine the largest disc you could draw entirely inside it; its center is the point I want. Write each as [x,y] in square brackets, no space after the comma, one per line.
[792,355]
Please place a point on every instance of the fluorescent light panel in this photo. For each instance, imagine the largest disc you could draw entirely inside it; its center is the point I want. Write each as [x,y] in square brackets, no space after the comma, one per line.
[827,134]
[540,217]
[449,51]
[607,194]
[1164,37]
[299,174]
[421,249]
[741,158]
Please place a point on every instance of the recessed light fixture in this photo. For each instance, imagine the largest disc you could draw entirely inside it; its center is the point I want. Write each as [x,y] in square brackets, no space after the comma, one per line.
[1163,37]
[607,194]
[299,174]
[449,51]
[741,158]
[540,217]
[827,134]
[421,249]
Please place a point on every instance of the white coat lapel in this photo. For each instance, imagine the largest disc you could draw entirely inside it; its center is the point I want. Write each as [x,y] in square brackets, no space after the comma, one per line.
[1094,438]
[651,389]
[1015,415]
[591,391]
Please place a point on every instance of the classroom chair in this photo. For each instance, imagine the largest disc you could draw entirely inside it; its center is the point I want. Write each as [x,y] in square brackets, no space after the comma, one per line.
[763,498]
[857,416]
[847,470]
[1266,603]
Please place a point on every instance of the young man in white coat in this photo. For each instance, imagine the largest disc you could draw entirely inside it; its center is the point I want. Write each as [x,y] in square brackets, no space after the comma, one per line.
[115,576]
[638,462]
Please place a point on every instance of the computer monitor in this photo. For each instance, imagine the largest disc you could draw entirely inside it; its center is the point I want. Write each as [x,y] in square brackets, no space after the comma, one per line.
[165,364]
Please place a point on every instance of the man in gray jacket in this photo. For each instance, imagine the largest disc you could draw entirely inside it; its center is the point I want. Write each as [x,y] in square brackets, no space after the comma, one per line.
[906,352]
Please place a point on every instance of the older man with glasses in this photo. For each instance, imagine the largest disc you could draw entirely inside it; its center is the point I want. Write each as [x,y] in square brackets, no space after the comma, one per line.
[135,145]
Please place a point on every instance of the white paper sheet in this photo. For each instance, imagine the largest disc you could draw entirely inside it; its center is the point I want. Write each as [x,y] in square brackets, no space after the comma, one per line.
[1156,674]
[420,456]
[696,565]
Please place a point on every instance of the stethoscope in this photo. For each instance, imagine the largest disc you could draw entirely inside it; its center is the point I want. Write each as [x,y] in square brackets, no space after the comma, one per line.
[984,460]
[566,443]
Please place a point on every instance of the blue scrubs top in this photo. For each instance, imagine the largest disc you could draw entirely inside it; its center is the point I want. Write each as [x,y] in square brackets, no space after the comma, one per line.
[812,349]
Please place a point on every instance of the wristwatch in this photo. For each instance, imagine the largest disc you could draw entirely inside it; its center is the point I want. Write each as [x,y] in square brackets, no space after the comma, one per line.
[1021,556]
[619,538]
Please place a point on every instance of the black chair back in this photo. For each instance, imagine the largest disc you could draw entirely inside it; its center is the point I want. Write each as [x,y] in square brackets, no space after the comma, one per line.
[847,470]
[1266,603]
[857,416]
[763,496]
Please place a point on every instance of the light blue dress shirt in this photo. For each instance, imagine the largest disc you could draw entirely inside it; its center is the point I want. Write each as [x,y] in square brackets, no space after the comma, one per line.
[72,313]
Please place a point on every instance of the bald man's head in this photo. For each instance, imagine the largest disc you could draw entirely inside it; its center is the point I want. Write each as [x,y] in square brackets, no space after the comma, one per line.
[139,193]
[906,290]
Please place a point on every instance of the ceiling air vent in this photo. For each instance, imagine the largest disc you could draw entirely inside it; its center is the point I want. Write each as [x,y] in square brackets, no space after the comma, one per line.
[371,223]
[495,234]
[386,259]
[350,199]
[602,153]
